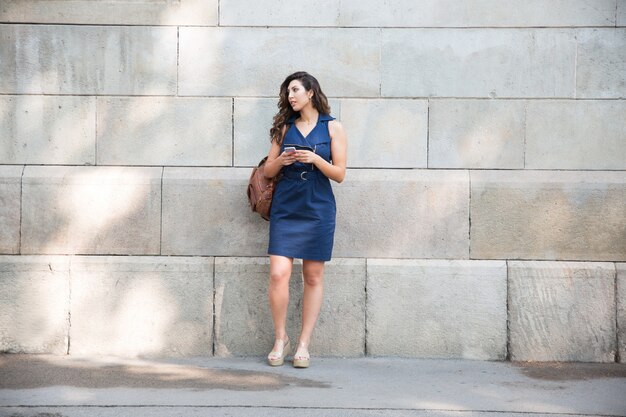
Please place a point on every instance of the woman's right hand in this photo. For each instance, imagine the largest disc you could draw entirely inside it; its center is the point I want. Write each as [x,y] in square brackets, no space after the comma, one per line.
[287,158]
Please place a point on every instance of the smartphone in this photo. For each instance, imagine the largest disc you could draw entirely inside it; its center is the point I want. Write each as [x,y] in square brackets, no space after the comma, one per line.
[290,149]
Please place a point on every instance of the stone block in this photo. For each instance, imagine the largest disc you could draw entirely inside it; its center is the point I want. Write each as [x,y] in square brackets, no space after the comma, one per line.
[252,122]
[214,61]
[601,63]
[403,214]
[47,130]
[476,13]
[164,131]
[34,304]
[115,12]
[58,59]
[243,320]
[91,210]
[206,212]
[387,133]
[620,298]
[555,215]
[562,311]
[576,134]
[149,306]
[417,214]
[278,13]
[437,308]
[621,12]
[477,63]
[476,134]
[10,208]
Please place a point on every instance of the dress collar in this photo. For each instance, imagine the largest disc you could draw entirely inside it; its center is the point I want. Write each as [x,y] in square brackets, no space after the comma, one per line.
[322,118]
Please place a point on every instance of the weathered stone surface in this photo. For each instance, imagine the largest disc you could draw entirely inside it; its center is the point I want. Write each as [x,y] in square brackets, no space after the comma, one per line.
[206,212]
[437,308]
[91,210]
[620,298]
[387,133]
[128,306]
[478,63]
[243,323]
[473,13]
[621,12]
[164,131]
[34,304]
[421,214]
[252,122]
[476,134]
[219,61]
[576,134]
[601,63]
[403,214]
[57,59]
[142,12]
[548,215]
[340,328]
[47,130]
[278,13]
[10,207]
[562,311]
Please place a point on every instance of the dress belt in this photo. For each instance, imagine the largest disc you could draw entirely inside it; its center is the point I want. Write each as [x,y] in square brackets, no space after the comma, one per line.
[300,175]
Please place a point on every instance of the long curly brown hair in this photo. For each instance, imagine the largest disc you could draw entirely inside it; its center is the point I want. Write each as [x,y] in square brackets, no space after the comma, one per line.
[285,112]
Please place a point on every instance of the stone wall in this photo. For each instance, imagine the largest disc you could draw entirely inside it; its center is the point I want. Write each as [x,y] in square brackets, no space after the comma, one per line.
[483,214]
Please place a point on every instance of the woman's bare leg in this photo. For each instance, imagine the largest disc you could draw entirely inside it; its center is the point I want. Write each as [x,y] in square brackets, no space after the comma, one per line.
[313,272]
[280,272]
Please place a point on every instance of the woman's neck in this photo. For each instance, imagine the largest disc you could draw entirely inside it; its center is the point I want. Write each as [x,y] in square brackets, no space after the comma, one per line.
[309,115]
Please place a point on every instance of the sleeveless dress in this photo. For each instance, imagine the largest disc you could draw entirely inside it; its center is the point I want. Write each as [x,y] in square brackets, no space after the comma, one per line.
[302,217]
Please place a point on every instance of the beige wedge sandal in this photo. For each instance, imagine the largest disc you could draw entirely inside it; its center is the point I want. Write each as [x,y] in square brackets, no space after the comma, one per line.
[277,357]
[301,361]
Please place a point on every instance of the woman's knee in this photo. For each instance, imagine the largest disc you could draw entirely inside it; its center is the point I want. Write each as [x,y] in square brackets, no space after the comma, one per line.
[279,277]
[313,280]
[313,274]
[280,270]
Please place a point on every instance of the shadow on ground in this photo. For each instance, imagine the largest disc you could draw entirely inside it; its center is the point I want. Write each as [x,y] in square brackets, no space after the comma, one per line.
[30,371]
[563,371]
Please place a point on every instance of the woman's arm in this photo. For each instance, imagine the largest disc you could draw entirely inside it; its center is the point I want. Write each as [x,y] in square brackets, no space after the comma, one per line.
[338,146]
[276,160]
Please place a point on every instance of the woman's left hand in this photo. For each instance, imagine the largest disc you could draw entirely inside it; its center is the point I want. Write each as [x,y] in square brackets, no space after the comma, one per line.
[306,157]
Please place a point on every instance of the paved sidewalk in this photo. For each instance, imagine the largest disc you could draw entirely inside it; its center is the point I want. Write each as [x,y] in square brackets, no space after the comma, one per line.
[52,386]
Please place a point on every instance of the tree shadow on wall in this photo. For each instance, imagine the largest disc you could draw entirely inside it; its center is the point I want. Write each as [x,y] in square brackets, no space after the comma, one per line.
[114,208]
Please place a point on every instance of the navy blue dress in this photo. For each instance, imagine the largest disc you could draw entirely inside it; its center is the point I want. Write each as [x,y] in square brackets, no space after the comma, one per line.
[302,217]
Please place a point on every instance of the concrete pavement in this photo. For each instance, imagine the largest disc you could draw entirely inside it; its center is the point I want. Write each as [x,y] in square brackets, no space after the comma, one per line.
[60,386]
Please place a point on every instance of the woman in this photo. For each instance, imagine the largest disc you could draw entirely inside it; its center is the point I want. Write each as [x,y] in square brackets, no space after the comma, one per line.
[308,148]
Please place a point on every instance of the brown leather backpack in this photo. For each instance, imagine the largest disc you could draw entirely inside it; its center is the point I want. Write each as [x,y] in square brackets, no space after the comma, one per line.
[260,190]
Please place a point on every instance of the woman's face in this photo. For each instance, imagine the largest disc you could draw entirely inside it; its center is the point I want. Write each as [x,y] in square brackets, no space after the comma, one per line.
[298,96]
